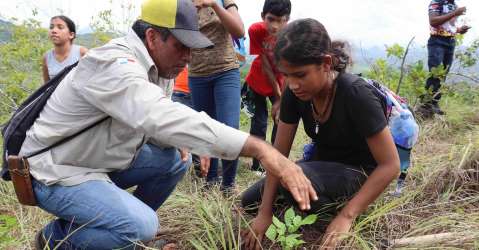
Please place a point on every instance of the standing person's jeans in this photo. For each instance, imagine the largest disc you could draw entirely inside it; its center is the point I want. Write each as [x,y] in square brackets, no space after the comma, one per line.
[219,96]
[440,51]
[183,98]
[102,215]
[259,122]
[333,182]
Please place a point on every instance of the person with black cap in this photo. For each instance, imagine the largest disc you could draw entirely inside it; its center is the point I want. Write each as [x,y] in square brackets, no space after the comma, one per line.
[122,88]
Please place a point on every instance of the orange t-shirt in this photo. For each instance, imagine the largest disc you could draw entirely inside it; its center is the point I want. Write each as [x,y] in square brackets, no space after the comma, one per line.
[181,82]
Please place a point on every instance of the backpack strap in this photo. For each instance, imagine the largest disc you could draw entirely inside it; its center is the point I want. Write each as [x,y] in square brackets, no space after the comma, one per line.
[66,139]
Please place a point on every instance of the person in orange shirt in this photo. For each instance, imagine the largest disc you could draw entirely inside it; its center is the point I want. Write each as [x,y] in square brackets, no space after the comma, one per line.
[181,91]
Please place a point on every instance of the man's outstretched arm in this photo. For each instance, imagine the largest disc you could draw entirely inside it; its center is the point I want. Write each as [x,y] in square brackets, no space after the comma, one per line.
[290,175]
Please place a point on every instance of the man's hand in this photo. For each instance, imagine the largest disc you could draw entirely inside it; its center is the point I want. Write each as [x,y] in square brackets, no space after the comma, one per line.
[338,228]
[294,180]
[275,110]
[460,11]
[204,3]
[251,239]
[290,175]
[463,29]
[204,165]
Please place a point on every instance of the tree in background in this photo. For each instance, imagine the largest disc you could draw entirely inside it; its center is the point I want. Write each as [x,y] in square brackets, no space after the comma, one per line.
[21,54]
[20,63]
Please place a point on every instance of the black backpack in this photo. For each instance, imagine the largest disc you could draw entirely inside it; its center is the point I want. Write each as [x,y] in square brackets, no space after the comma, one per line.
[15,130]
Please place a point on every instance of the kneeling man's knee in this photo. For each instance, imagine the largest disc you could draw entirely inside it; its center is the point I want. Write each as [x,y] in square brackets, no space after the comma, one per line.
[147,225]
[140,226]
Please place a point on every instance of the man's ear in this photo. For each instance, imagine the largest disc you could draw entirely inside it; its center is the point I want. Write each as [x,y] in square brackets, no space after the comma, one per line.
[150,38]
[263,15]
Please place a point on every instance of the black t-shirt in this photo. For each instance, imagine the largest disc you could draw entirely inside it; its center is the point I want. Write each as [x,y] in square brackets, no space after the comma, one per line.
[357,114]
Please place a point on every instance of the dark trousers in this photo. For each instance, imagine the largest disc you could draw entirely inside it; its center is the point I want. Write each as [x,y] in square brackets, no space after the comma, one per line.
[334,183]
[259,121]
[440,51]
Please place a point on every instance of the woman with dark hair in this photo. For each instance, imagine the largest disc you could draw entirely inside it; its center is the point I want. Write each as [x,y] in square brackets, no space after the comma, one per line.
[62,32]
[355,158]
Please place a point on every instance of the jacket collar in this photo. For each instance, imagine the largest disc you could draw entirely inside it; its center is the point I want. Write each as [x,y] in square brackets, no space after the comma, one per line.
[141,53]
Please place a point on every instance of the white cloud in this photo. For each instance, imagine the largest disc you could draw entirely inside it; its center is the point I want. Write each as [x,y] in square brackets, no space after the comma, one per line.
[371,22]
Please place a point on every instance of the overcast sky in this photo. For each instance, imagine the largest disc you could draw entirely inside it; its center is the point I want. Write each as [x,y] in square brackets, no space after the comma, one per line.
[365,22]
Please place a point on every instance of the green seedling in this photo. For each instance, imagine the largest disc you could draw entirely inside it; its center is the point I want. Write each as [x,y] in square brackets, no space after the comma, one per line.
[286,233]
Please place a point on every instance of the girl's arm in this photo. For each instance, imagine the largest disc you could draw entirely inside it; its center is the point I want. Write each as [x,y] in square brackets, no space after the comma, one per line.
[230,17]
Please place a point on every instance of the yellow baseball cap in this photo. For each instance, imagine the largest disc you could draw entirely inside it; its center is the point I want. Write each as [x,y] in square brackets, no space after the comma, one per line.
[180,17]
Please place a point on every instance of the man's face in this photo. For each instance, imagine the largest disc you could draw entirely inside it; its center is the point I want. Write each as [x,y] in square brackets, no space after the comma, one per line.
[170,56]
[274,23]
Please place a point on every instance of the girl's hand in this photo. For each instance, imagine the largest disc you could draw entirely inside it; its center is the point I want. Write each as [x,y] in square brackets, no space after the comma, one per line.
[338,228]
[252,238]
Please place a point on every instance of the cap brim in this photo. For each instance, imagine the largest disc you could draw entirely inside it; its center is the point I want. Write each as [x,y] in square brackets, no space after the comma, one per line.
[192,39]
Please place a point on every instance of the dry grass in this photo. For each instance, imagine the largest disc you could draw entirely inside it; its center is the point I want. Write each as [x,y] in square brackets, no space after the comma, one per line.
[441,196]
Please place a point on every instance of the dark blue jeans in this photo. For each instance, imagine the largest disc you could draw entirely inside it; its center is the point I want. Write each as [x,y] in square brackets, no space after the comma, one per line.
[259,121]
[102,215]
[219,96]
[440,51]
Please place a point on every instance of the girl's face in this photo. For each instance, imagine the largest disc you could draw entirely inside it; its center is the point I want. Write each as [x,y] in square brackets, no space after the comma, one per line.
[306,81]
[59,33]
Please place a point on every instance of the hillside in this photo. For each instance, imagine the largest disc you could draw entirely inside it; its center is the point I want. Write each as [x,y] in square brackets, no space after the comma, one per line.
[4,31]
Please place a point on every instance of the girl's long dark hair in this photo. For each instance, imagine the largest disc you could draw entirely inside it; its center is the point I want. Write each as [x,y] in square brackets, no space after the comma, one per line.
[304,42]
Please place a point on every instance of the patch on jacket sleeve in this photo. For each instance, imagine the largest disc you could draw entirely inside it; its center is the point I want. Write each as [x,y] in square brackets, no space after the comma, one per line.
[122,61]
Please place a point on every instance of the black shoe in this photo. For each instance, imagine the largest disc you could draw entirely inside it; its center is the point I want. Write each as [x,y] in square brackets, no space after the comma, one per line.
[40,241]
[256,166]
[437,110]
[229,191]
[425,110]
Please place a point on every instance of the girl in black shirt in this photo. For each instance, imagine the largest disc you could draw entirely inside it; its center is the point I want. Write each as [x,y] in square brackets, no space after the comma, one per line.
[355,158]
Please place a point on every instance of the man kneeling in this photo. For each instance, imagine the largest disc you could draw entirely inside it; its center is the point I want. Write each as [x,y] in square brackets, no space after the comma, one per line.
[82,181]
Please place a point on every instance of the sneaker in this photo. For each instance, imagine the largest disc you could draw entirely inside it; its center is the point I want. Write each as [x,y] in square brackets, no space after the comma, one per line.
[259,173]
[424,110]
[399,188]
[248,110]
[436,109]
[230,191]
